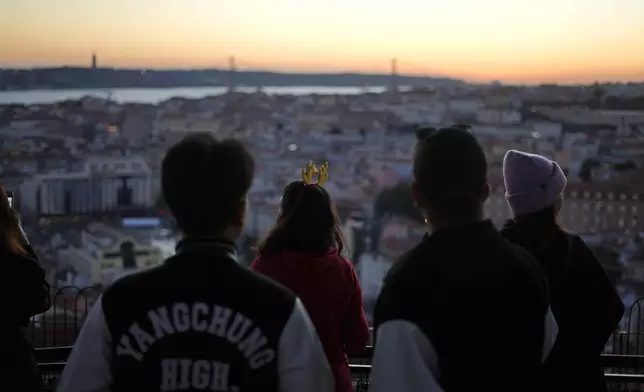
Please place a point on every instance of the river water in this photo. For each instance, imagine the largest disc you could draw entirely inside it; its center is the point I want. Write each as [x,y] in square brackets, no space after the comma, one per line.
[156,95]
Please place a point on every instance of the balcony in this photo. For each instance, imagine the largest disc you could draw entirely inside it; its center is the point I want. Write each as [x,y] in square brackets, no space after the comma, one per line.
[54,333]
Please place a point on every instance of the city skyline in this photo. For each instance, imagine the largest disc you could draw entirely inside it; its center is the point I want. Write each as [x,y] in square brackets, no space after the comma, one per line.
[564,41]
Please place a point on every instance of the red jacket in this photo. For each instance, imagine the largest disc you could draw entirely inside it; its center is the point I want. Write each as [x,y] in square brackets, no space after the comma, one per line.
[328,286]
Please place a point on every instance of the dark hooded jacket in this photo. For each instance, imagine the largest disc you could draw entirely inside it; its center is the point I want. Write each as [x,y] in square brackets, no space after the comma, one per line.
[583,300]
[26,294]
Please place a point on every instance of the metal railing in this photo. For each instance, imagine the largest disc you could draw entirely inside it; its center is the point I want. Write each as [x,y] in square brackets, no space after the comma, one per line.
[51,361]
[54,332]
[60,324]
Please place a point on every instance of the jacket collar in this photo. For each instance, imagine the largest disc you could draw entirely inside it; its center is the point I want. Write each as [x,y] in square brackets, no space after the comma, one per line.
[217,248]
[483,228]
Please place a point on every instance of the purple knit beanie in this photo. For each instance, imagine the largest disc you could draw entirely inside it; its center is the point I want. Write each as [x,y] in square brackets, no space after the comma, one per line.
[532,182]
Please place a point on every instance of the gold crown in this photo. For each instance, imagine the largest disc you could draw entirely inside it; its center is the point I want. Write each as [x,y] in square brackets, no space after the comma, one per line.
[310,170]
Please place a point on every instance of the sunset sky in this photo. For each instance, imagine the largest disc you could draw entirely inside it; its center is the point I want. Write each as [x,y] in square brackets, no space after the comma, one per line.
[480,40]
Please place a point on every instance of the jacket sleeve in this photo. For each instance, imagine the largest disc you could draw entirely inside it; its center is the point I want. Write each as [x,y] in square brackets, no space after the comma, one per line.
[355,329]
[33,289]
[404,359]
[302,364]
[88,365]
[41,299]
[605,308]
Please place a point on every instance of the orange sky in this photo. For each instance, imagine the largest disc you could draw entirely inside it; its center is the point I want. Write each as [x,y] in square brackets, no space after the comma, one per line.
[542,41]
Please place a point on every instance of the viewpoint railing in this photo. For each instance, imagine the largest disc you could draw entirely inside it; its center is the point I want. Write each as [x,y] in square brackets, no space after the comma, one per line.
[54,332]
[623,372]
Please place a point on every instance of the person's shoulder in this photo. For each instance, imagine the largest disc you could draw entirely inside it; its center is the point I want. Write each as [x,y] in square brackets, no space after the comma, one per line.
[135,281]
[575,241]
[16,264]
[404,276]
[265,286]
[522,269]
[509,230]
[343,264]
[580,255]
[407,264]
[403,284]
[517,256]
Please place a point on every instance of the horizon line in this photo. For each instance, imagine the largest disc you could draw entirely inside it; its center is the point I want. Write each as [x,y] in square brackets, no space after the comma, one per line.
[285,72]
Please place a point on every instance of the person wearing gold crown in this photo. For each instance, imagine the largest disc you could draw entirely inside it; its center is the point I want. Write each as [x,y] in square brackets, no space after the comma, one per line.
[303,251]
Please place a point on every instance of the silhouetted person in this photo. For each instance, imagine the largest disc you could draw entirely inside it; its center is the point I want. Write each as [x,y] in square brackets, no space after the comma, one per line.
[124,194]
[464,310]
[303,251]
[200,321]
[128,255]
[584,302]
[25,293]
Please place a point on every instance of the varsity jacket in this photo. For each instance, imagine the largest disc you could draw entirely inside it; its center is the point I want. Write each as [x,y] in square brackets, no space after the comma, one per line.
[464,310]
[199,322]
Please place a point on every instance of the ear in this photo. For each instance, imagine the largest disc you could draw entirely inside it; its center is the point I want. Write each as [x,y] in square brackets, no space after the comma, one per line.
[242,212]
[485,192]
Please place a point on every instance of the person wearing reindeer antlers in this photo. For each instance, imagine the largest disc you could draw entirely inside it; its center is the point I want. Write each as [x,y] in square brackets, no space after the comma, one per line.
[303,251]
[464,310]
[201,321]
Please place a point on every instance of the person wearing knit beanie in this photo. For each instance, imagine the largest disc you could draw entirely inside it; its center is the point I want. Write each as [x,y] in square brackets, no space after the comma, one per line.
[534,187]
[532,182]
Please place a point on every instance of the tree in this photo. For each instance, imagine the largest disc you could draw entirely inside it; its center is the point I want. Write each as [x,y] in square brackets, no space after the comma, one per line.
[398,201]
[159,202]
[624,166]
[586,169]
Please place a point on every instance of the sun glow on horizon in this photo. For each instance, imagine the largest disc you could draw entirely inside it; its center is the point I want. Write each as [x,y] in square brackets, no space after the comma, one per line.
[549,41]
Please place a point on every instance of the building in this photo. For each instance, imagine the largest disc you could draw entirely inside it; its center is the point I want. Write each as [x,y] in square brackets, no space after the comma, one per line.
[104,184]
[106,253]
[595,207]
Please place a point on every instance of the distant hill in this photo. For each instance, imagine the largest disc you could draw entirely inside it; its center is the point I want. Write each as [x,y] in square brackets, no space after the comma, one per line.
[72,78]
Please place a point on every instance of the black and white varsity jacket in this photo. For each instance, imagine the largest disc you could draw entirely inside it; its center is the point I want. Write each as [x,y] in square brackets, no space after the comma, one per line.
[199,322]
[463,311]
